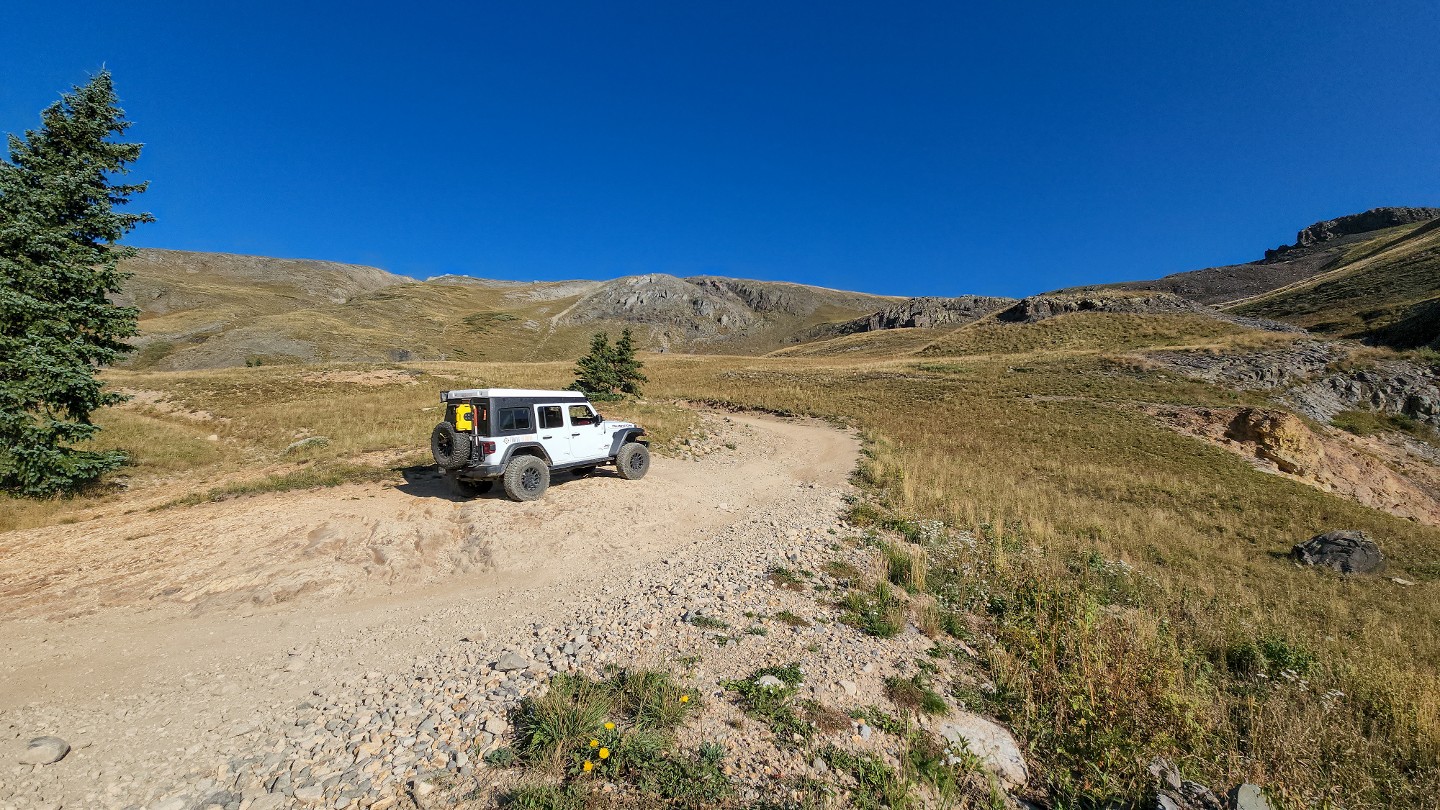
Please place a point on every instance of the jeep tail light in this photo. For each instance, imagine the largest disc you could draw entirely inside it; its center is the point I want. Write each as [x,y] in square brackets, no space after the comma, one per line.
[487,448]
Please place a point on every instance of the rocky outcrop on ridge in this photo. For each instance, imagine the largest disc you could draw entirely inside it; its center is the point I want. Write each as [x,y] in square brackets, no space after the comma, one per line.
[707,308]
[917,313]
[1373,220]
[1042,307]
[1317,249]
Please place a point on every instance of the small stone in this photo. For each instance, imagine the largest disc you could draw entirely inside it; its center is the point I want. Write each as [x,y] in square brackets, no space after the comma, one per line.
[769,682]
[849,687]
[510,662]
[268,801]
[495,726]
[45,751]
[310,794]
[1250,797]
[423,788]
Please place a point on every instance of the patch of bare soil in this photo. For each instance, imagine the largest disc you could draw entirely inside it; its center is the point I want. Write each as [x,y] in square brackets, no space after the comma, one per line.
[1378,472]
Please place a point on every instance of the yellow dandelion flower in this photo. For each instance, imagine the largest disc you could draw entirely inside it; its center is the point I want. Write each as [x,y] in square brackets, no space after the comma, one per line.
[609,726]
[594,743]
[604,753]
[588,766]
[684,698]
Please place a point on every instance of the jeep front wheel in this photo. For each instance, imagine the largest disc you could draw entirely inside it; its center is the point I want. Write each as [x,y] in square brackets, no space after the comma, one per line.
[526,478]
[633,461]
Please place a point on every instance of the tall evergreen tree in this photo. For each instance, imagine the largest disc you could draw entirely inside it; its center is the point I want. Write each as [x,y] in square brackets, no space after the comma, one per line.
[595,372]
[626,366]
[58,232]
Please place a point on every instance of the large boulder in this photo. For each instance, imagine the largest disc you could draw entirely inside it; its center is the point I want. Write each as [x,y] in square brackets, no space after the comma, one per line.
[1349,552]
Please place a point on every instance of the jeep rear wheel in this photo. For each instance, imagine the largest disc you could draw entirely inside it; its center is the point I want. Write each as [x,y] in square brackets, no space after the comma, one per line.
[468,489]
[633,461]
[526,478]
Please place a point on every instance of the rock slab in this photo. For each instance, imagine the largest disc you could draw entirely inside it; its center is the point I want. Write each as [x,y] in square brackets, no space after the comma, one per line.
[1349,552]
[989,741]
[45,751]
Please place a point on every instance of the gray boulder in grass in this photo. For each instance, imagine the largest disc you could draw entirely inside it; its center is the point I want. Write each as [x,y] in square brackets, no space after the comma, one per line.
[1349,552]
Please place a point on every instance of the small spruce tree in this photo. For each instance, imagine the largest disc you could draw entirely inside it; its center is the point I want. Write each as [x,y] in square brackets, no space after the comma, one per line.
[609,372]
[626,366]
[58,229]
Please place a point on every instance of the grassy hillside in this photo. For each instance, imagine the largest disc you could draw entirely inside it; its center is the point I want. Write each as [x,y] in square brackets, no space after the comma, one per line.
[203,310]
[1385,289]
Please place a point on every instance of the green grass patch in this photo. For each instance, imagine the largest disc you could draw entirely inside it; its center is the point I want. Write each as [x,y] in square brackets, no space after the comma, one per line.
[316,476]
[774,703]
[876,612]
[621,730]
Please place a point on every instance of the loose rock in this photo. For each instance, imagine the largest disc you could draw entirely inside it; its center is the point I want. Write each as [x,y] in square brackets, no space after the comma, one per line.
[45,751]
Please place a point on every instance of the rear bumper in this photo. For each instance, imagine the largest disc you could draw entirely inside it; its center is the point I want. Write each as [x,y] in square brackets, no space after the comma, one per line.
[477,472]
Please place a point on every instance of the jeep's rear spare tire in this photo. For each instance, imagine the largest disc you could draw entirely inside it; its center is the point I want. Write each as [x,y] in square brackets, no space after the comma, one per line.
[633,461]
[526,478]
[450,447]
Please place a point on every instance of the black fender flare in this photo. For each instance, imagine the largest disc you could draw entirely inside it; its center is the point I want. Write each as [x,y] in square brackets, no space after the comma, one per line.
[513,450]
[624,436]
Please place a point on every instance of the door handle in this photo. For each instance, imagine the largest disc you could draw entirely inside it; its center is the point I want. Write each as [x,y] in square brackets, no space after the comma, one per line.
[574,434]
[547,437]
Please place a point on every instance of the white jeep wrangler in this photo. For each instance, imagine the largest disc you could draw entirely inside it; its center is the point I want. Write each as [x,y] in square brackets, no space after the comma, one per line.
[520,436]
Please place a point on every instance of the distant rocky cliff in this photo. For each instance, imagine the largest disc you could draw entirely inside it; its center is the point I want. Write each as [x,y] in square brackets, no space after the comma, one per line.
[1373,220]
[916,313]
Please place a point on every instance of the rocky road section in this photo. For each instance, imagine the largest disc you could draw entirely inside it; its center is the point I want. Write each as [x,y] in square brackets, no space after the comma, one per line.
[372,694]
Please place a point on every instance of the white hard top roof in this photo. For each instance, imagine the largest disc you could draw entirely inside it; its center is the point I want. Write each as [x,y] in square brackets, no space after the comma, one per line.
[486,393]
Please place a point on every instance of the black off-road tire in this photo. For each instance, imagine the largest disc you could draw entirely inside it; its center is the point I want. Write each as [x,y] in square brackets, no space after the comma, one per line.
[469,489]
[581,472]
[633,461]
[526,478]
[449,447]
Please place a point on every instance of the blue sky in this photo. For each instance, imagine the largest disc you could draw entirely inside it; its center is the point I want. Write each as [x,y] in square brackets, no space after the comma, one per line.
[910,148]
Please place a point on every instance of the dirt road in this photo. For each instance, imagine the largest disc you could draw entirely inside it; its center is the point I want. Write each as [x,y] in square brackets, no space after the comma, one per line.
[147,640]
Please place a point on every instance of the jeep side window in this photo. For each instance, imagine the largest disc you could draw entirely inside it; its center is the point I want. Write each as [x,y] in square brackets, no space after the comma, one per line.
[514,419]
[581,415]
[550,417]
